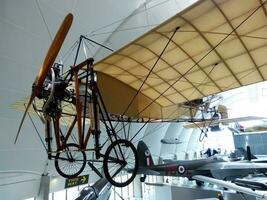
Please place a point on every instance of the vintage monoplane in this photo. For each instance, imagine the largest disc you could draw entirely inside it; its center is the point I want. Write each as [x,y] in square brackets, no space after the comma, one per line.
[53,88]
[206,49]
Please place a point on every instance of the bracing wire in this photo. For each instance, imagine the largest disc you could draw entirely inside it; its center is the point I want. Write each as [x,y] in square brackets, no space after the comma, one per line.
[45,23]
[94,32]
[150,71]
[212,49]
[122,19]
[202,58]
[36,130]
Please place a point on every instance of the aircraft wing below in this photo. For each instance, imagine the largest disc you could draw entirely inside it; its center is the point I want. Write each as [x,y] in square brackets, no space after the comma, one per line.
[148,171]
[203,57]
[210,122]
[255,183]
[232,186]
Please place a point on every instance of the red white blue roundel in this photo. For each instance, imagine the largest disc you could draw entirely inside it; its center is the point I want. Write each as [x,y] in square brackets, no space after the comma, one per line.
[148,159]
[181,169]
[147,153]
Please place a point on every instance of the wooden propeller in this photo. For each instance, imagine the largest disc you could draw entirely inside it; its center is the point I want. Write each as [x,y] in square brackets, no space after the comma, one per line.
[48,62]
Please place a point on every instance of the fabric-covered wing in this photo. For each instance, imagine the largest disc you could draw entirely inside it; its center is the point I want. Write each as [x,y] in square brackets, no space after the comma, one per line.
[220,45]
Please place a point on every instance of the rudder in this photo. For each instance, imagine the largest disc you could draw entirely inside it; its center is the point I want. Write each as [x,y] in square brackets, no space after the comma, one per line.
[144,155]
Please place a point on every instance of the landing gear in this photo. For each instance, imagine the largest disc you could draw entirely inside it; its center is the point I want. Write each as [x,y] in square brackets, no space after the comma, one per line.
[71,161]
[199,183]
[120,158]
[143,178]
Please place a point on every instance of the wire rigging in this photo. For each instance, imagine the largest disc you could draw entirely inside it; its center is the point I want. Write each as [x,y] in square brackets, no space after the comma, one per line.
[45,23]
[124,29]
[93,33]
[202,82]
[150,71]
[131,15]
[212,49]
[35,128]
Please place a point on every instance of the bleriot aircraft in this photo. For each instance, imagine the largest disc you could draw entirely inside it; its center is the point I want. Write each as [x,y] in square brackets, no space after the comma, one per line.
[206,49]
[214,167]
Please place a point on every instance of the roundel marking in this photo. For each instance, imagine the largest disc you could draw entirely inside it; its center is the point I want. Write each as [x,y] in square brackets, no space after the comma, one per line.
[147,153]
[181,169]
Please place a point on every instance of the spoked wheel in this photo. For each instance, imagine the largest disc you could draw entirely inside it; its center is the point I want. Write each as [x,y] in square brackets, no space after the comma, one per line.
[120,163]
[70,162]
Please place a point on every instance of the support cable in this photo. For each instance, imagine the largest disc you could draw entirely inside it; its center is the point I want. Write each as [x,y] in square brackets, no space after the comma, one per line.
[212,49]
[37,131]
[150,71]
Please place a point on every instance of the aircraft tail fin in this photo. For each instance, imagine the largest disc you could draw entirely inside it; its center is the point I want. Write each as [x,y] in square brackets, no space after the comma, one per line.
[223,112]
[247,153]
[144,155]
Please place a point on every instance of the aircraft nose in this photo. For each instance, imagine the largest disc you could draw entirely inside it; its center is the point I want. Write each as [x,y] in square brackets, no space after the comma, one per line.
[88,193]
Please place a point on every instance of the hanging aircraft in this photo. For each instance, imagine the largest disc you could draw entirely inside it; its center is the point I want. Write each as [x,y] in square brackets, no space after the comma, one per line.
[171,141]
[209,117]
[255,126]
[206,49]
[219,116]
[214,167]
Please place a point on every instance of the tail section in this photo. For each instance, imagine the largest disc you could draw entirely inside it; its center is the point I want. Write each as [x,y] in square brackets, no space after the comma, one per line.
[144,155]
[247,153]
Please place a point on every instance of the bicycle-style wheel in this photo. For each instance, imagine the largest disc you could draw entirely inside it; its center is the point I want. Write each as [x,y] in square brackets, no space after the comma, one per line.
[70,162]
[120,163]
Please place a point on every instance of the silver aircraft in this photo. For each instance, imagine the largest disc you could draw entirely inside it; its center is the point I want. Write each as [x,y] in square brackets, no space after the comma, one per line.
[100,190]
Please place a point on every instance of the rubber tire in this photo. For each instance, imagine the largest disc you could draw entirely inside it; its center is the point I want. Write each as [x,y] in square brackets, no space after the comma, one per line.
[57,160]
[106,161]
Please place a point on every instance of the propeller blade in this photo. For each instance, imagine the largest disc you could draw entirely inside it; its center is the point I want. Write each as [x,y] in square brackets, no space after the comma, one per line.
[52,53]
[23,118]
[48,63]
